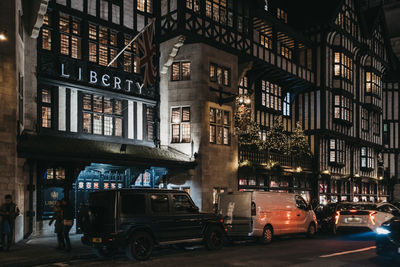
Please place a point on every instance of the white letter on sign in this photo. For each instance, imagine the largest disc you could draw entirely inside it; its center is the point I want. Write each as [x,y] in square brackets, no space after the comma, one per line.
[117,83]
[93,77]
[104,79]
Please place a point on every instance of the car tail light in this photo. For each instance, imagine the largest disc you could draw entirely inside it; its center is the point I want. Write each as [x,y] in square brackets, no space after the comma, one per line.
[253,209]
[372,217]
[337,216]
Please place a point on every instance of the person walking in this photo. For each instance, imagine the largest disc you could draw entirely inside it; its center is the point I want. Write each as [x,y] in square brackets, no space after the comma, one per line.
[68,221]
[8,211]
[58,226]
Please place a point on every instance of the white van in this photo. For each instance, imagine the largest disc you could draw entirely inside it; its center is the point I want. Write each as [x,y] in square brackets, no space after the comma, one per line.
[265,214]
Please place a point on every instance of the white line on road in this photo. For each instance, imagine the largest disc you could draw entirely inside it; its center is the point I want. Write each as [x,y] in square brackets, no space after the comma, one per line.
[347,252]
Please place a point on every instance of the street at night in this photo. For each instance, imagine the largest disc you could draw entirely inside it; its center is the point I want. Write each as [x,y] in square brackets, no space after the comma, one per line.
[344,250]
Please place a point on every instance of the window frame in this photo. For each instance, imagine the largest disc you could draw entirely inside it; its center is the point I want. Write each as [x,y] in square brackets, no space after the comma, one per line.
[343,67]
[368,156]
[214,125]
[339,151]
[374,83]
[71,34]
[180,77]
[180,124]
[213,75]
[271,96]
[111,50]
[345,111]
[47,105]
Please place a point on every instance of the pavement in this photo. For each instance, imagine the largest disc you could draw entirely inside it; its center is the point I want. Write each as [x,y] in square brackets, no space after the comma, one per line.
[42,250]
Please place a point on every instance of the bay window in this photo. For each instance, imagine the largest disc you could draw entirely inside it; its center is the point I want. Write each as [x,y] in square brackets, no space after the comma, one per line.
[271,95]
[343,108]
[367,159]
[70,40]
[219,74]
[373,84]
[343,66]
[102,45]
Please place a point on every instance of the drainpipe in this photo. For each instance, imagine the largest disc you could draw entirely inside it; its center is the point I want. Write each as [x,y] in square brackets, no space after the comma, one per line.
[30,213]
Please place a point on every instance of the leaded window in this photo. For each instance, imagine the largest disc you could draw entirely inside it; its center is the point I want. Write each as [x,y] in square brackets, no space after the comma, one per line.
[337,151]
[70,32]
[220,75]
[243,86]
[281,14]
[373,84]
[180,125]
[271,95]
[285,51]
[286,105]
[376,123]
[145,6]
[46,32]
[217,10]
[101,115]
[364,120]
[343,108]
[367,159]
[131,58]
[220,129]
[150,123]
[46,107]
[193,5]
[180,71]
[343,66]
[266,41]
[102,45]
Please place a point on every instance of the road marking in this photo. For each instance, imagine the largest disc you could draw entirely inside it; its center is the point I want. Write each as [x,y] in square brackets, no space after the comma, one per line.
[347,252]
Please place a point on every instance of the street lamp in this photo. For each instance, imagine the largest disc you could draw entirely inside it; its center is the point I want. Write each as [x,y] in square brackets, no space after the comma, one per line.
[3,35]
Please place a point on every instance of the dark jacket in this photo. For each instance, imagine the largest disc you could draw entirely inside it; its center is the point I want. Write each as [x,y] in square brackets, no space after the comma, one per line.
[58,217]
[11,209]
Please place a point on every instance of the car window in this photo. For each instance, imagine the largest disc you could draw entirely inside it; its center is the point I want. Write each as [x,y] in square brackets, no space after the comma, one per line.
[385,208]
[133,204]
[353,206]
[159,203]
[300,203]
[182,203]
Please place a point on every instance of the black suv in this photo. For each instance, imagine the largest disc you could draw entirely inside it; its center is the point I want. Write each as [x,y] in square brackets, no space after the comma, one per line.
[139,219]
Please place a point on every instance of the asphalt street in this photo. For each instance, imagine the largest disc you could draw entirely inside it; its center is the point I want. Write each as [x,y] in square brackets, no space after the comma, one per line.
[323,250]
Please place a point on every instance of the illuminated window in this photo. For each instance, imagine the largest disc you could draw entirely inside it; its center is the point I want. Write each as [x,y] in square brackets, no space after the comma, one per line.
[145,5]
[131,58]
[265,41]
[101,115]
[367,159]
[337,151]
[286,105]
[343,108]
[285,51]
[271,95]
[46,108]
[180,71]
[220,75]
[281,14]
[343,66]
[70,40]
[243,86]
[180,125]
[46,33]
[217,10]
[193,5]
[220,129]
[102,45]
[373,84]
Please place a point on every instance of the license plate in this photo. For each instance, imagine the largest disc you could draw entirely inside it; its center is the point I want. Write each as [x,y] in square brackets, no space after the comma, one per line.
[97,240]
[353,220]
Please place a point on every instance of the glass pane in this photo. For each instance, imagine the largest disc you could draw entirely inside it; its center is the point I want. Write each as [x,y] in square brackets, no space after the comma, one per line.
[186,114]
[87,102]
[87,122]
[226,118]
[49,174]
[212,115]
[46,96]
[175,133]
[46,117]
[92,52]
[64,23]
[186,71]
[159,203]
[108,106]
[175,72]
[92,32]
[118,127]
[64,44]
[76,26]
[212,134]
[226,136]
[176,115]
[118,107]
[97,103]
[220,135]
[108,125]
[219,116]
[60,174]
[185,132]
[97,123]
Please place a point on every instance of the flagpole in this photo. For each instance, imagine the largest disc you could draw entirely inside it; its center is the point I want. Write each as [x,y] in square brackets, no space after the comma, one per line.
[134,38]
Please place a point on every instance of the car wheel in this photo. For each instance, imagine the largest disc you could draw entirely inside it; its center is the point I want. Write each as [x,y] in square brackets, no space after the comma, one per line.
[140,246]
[267,235]
[103,252]
[214,238]
[311,230]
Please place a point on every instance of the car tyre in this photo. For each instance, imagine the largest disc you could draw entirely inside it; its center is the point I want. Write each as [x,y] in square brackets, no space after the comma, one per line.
[311,230]
[214,238]
[140,246]
[267,235]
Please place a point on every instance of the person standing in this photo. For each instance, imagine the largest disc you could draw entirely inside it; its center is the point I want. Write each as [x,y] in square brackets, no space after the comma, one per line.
[58,226]
[68,221]
[9,211]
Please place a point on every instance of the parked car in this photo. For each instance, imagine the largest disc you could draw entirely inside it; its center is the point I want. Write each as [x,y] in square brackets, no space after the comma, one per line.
[263,215]
[326,217]
[388,239]
[363,215]
[139,219]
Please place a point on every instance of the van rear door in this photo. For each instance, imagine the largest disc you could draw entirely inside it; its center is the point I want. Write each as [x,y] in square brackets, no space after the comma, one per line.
[235,209]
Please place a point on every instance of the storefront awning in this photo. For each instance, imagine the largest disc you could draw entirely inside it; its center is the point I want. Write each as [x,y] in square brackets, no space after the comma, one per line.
[65,149]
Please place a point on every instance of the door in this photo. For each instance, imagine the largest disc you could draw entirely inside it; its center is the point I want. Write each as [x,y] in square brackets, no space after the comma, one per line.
[186,217]
[301,215]
[162,220]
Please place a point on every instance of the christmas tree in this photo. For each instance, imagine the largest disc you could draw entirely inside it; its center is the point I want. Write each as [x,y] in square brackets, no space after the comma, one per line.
[246,128]
[298,144]
[276,139]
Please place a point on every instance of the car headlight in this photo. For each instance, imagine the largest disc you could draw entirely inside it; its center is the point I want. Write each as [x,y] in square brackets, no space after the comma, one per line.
[382,231]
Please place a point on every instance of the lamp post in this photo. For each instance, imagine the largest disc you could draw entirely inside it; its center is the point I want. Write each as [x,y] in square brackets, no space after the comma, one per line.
[3,35]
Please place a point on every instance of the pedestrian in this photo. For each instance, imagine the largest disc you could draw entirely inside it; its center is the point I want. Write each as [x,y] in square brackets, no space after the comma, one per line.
[8,211]
[58,226]
[68,221]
